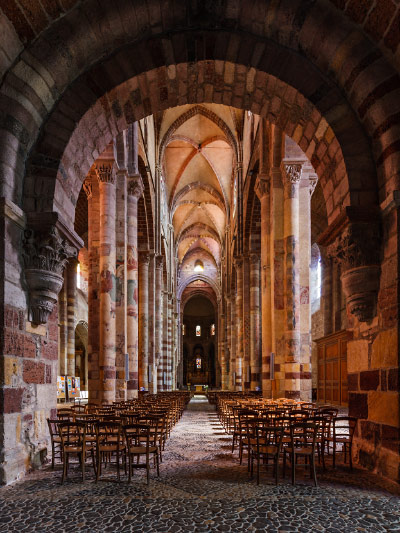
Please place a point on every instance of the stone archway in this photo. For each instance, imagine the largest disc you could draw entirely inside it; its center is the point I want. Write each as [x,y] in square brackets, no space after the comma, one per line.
[69,93]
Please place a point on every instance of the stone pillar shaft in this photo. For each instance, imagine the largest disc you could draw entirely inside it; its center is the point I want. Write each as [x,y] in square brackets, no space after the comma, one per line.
[63,321]
[152,372]
[291,178]
[255,355]
[71,299]
[222,343]
[135,190]
[263,193]
[233,343]
[106,178]
[94,385]
[120,278]
[158,321]
[239,324]
[144,260]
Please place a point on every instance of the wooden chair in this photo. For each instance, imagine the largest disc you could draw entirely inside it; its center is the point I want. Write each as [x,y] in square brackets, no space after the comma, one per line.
[67,415]
[137,437]
[78,408]
[56,448]
[323,434]
[73,442]
[109,442]
[240,429]
[268,444]
[343,428]
[303,443]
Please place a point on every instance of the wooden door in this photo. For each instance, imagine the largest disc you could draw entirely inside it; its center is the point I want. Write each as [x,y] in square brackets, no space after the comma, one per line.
[332,368]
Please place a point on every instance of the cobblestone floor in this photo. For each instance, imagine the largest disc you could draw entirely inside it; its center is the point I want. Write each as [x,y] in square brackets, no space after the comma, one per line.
[201,488]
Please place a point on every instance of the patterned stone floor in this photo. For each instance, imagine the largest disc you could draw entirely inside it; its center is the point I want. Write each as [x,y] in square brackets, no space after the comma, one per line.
[201,488]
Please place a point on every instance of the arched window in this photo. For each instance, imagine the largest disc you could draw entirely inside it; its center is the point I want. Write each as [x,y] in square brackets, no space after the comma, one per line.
[198,331]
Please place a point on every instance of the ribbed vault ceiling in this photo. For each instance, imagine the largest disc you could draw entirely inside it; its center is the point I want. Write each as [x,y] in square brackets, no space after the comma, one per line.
[198,162]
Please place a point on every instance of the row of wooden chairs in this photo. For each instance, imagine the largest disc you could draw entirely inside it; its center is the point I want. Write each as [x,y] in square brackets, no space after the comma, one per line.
[293,436]
[96,431]
[124,443]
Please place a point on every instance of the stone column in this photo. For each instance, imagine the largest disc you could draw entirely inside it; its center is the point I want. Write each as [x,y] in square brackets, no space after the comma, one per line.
[158,321]
[135,190]
[233,343]
[255,339]
[262,189]
[63,325]
[222,344]
[306,189]
[246,370]
[71,298]
[120,279]
[291,178]
[239,323]
[92,192]
[106,177]
[169,342]
[151,326]
[228,352]
[144,260]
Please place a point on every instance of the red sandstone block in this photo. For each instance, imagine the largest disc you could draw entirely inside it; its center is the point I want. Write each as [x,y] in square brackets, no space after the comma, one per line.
[352,382]
[12,317]
[393,379]
[29,346]
[34,372]
[11,400]
[369,380]
[48,373]
[49,350]
[13,343]
[390,437]
[358,405]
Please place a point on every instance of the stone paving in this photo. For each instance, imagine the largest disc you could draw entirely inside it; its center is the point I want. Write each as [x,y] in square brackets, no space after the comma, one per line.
[201,488]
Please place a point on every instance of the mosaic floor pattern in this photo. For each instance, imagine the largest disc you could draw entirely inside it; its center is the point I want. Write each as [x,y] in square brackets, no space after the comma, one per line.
[201,488]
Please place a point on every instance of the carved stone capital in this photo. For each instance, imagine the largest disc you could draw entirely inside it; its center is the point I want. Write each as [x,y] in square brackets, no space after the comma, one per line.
[238,261]
[135,186]
[291,174]
[88,188]
[262,186]
[45,256]
[360,286]
[358,245]
[105,172]
[159,261]
[357,250]
[255,259]
[312,183]
[144,257]
[291,171]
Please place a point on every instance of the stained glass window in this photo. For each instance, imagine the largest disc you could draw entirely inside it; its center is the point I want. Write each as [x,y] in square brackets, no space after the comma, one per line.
[183,329]
[212,329]
[198,363]
[198,331]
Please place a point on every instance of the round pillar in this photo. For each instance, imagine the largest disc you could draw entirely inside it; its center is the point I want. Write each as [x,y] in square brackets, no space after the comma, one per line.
[135,190]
